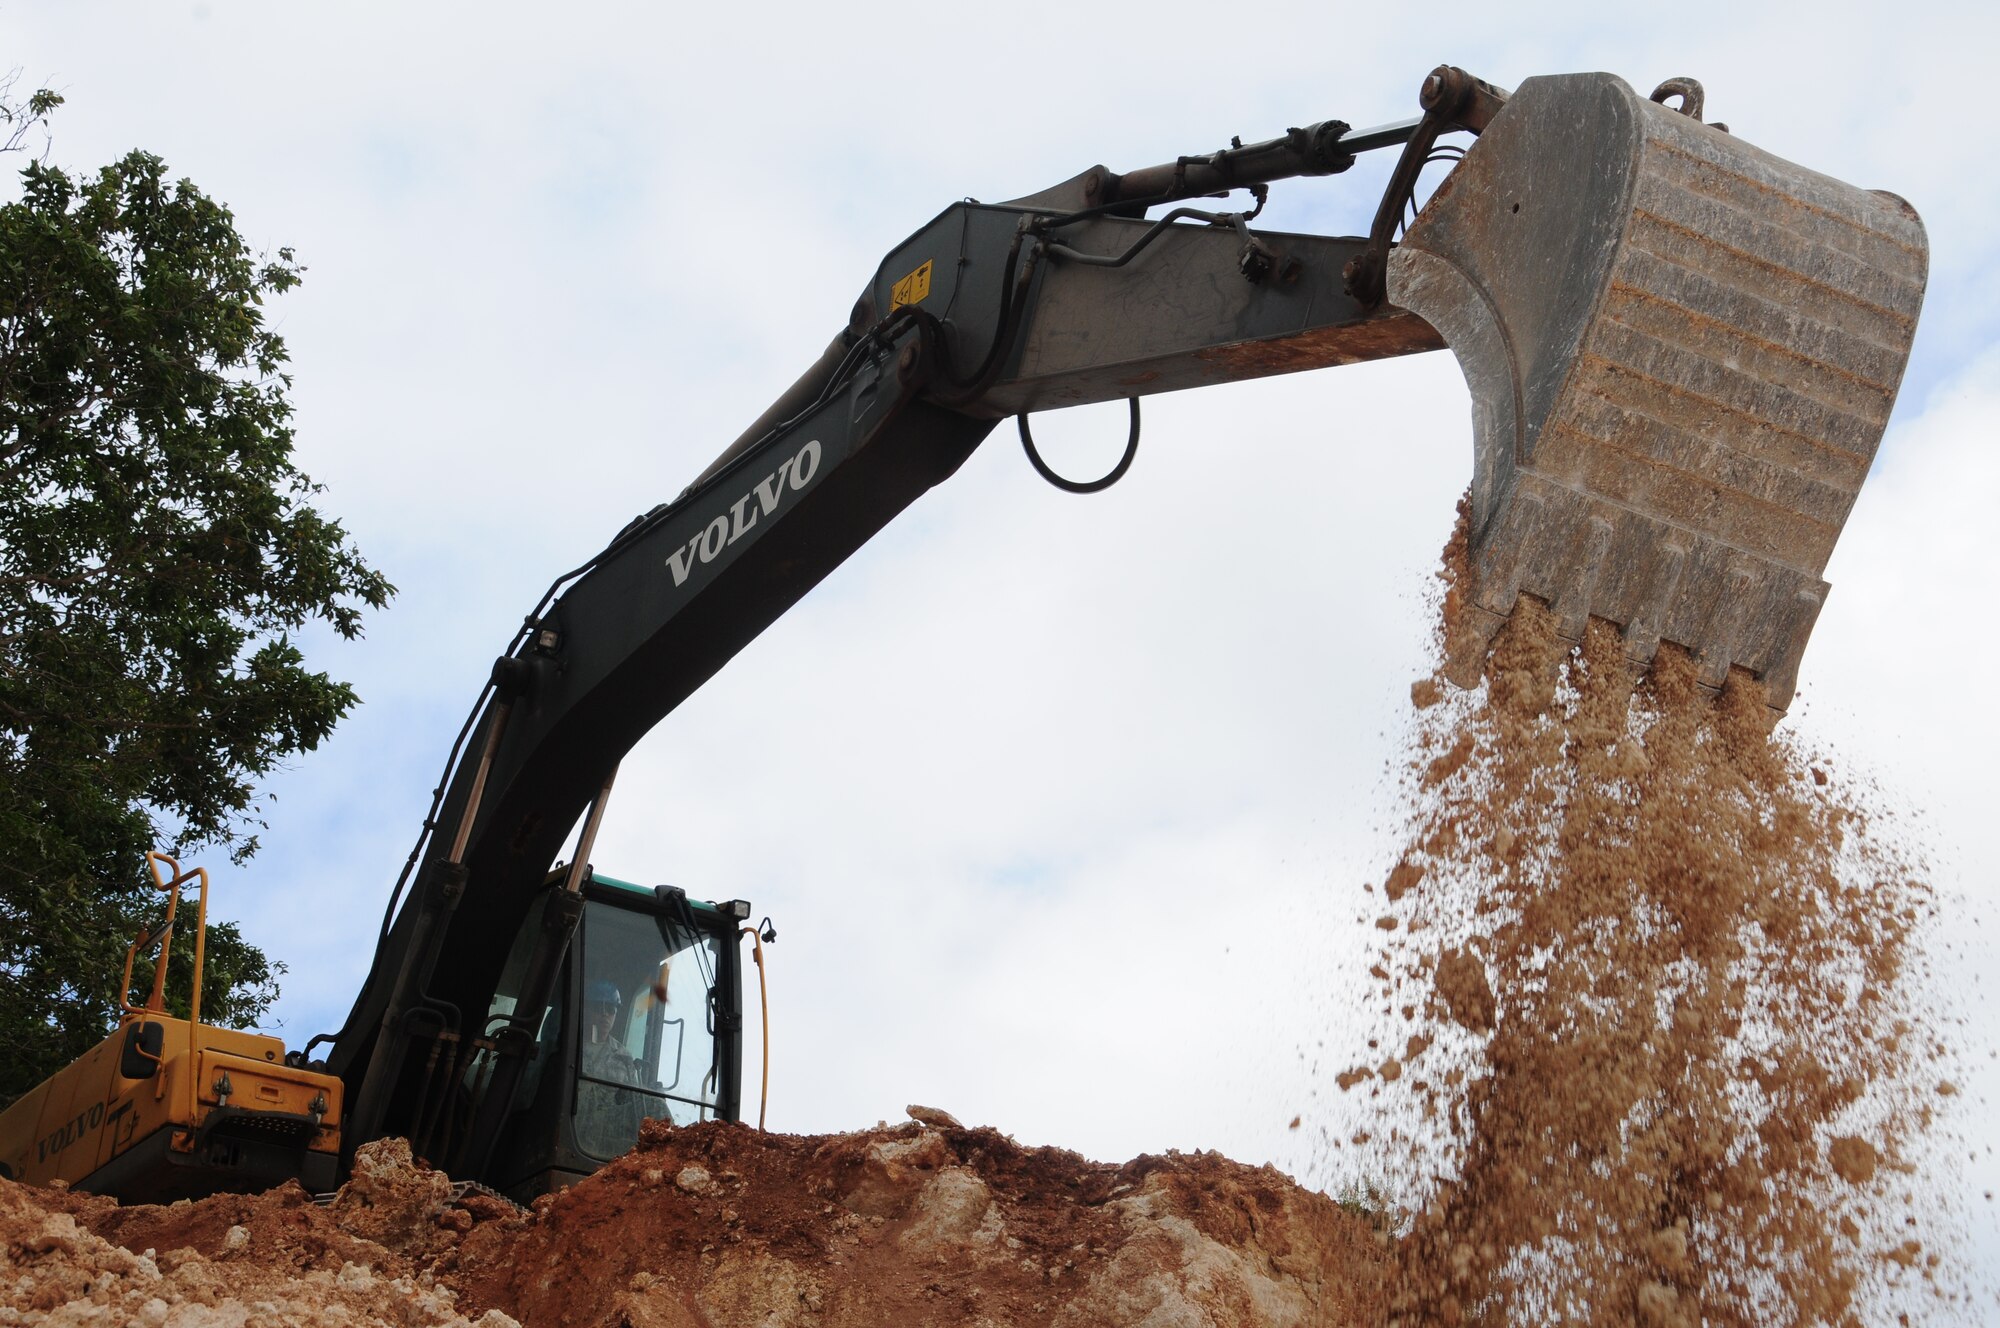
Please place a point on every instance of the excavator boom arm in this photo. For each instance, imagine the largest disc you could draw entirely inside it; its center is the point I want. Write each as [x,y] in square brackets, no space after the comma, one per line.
[1669,428]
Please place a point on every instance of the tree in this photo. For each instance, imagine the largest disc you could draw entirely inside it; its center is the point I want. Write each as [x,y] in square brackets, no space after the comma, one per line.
[158,548]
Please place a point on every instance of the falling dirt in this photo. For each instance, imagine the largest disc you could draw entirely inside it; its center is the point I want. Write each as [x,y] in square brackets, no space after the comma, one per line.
[721,1226]
[1652,966]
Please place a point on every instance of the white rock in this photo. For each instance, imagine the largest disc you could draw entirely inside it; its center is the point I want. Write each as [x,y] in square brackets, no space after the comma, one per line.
[955,1209]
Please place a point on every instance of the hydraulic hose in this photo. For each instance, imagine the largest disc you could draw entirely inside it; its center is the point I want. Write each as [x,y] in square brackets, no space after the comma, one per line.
[764,1005]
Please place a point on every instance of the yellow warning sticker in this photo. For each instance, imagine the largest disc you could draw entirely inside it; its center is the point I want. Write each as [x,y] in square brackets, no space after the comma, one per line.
[911,289]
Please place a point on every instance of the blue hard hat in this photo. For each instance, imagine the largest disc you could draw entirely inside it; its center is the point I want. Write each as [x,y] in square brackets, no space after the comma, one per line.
[602,993]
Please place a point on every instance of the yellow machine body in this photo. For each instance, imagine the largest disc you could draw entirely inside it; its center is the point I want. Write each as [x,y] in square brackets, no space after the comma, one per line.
[177,1131]
[167,1106]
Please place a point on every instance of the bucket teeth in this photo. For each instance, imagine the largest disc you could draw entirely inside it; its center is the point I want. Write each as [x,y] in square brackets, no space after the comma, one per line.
[1726,628]
[1572,606]
[1465,649]
[1682,353]
[1642,633]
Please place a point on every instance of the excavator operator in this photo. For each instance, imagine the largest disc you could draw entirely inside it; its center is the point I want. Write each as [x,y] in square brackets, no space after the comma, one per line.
[607,1115]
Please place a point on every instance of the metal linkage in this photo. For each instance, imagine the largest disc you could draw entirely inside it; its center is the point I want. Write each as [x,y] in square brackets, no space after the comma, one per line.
[1452,100]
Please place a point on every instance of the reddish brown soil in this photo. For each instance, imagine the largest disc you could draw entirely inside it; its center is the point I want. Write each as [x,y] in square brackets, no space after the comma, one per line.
[922,1226]
[720,1225]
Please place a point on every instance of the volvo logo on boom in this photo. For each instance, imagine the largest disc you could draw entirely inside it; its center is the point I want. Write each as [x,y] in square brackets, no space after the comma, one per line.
[744,513]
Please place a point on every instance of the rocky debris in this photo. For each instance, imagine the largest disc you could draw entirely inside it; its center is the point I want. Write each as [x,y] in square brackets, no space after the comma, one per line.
[388,1199]
[721,1226]
[65,1260]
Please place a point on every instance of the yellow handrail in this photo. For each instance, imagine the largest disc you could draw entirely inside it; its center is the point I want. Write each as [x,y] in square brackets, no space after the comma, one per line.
[170,882]
[145,937]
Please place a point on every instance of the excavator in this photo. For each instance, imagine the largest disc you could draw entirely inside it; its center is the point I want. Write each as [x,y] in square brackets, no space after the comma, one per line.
[1682,352]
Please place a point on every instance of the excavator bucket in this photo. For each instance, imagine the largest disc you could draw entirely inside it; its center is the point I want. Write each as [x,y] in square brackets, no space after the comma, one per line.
[1682,352]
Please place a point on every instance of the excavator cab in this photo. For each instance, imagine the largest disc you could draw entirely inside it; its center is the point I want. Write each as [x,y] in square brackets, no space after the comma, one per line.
[645,1024]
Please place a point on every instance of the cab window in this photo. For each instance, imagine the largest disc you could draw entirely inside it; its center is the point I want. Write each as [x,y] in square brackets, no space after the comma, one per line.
[646,1044]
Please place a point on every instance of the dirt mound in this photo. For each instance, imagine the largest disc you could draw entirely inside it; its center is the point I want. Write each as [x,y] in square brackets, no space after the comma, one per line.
[720,1225]
[920,1225]
[275,1260]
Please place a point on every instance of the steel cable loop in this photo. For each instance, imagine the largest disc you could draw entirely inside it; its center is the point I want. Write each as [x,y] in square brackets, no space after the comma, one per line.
[1082,486]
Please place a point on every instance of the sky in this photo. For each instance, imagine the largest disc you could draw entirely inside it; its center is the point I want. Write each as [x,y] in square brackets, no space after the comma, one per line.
[1061,806]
